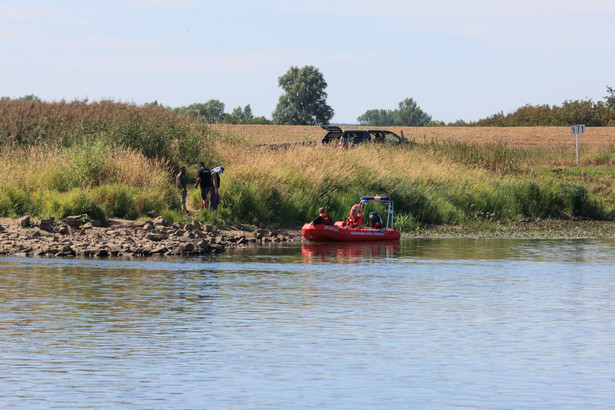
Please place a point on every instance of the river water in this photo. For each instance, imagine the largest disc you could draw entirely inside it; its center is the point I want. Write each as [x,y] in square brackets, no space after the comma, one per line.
[451,323]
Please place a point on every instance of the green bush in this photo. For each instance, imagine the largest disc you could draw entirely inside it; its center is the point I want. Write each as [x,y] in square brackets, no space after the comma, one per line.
[151,203]
[86,168]
[116,200]
[416,201]
[75,202]
[242,202]
[174,215]
[406,223]
[15,202]
[579,203]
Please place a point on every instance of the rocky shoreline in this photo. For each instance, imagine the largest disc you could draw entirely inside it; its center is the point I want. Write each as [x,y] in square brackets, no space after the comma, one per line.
[70,237]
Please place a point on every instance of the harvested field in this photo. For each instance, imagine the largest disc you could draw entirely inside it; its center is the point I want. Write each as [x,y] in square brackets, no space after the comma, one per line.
[594,137]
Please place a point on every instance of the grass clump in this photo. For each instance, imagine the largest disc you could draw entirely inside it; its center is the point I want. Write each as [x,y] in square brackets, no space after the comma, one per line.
[75,202]
[15,202]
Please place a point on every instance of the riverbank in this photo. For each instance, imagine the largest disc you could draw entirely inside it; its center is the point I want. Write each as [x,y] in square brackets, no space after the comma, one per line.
[113,160]
[47,237]
[70,237]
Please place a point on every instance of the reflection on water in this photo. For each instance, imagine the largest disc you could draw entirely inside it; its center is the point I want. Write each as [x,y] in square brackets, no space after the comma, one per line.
[417,323]
[349,252]
[466,249]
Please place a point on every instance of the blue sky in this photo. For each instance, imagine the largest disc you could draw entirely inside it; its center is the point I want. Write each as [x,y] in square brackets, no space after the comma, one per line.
[456,59]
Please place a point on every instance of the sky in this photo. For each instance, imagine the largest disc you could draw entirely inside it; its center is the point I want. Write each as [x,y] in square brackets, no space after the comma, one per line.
[459,60]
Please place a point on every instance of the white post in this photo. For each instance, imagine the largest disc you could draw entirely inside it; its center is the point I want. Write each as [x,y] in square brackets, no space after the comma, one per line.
[577,129]
[577,149]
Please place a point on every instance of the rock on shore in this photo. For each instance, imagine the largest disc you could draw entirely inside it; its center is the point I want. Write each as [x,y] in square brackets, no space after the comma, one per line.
[50,238]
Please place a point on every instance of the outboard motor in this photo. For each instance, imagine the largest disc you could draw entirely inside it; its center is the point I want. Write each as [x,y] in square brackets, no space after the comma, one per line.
[375,220]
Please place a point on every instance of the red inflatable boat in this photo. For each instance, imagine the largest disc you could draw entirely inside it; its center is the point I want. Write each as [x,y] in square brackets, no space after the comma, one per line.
[339,232]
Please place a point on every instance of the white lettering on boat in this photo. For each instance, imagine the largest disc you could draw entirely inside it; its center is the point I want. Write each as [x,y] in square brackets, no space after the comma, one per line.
[366,233]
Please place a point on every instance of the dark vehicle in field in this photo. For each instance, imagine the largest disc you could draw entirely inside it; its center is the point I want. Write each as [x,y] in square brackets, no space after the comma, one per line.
[349,137]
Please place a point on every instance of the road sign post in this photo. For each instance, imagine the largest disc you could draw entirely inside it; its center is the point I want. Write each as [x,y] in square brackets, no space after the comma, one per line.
[577,129]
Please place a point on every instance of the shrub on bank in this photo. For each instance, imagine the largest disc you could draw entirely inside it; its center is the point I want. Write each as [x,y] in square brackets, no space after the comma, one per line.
[15,202]
[118,201]
[75,202]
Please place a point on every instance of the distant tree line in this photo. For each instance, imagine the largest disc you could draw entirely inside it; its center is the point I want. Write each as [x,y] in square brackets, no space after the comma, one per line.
[304,103]
[212,111]
[408,114]
[588,112]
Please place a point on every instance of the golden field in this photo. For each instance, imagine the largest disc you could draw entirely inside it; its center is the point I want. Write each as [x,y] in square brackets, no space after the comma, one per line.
[521,137]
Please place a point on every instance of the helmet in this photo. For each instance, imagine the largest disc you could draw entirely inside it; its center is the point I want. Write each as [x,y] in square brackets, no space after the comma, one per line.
[356,208]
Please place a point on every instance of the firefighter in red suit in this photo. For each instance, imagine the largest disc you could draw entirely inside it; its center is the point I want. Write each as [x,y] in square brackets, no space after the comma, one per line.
[354,219]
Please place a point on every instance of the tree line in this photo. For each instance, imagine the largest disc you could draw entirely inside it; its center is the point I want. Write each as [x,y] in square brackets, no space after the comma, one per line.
[588,112]
[304,102]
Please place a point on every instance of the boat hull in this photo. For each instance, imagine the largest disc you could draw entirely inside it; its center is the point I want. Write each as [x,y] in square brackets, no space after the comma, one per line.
[335,233]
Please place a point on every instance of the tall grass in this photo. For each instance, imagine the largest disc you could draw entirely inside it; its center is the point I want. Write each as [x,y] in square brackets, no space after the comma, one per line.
[108,160]
[155,132]
[91,178]
[428,185]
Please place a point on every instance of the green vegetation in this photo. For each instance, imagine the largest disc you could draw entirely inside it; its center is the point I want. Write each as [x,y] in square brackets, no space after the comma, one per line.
[590,113]
[407,114]
[610,99]
[213,112]
[304,101]
[112,160]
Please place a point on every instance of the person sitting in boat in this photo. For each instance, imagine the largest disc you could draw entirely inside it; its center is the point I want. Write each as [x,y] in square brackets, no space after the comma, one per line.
[354,219]
[322,218]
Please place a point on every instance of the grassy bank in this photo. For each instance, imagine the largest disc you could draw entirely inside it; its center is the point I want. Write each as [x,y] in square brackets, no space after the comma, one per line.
[114,160]
[434,184]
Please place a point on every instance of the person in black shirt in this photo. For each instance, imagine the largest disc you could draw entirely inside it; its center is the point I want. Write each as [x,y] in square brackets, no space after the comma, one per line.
[204,178]
[323,218]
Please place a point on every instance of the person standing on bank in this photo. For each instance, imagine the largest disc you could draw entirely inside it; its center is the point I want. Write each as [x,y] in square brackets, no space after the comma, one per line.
[205,179]
[180,182]
[215,197]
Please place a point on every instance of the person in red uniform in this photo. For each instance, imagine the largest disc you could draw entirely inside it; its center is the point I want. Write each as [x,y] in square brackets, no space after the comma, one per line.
[322,218]
[354,219]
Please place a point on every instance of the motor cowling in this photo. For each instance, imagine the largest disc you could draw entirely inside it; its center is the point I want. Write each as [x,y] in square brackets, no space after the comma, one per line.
[375,220]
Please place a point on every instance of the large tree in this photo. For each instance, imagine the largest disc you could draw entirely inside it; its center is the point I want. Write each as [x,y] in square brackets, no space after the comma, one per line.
[410,114]
[304,101]
[407,114]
